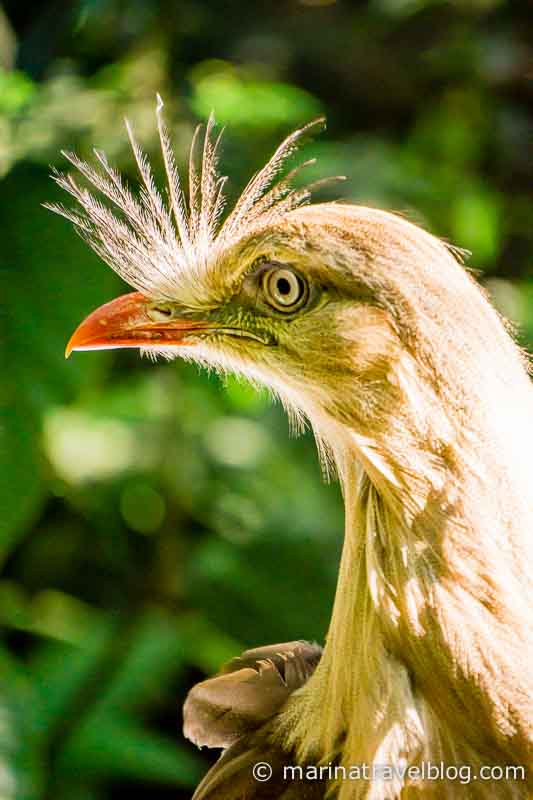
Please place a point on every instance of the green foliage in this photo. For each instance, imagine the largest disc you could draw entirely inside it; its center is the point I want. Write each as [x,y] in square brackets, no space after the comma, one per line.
[154,522]
[252,105]
[16,90]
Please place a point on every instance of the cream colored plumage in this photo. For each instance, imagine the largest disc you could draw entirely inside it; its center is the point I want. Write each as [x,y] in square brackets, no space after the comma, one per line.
[421,402]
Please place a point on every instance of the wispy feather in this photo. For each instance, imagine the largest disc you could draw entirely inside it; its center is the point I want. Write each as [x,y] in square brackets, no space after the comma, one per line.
[165,249]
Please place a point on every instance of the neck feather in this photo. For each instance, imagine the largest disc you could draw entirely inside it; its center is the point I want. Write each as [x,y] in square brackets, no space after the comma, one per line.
[429,612]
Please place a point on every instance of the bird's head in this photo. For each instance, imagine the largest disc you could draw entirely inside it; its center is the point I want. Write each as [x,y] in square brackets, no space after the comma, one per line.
[320,303]
[276,309]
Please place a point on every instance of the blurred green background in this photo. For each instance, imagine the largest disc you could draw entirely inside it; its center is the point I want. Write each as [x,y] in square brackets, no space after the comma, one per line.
[154,522]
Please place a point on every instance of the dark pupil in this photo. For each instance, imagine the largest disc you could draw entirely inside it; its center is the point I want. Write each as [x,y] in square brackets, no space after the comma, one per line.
[284,286]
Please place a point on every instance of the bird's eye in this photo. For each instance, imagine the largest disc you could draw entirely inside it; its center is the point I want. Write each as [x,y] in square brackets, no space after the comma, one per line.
[284,289]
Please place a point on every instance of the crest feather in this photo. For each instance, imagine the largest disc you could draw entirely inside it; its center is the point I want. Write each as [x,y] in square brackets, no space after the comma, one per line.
[165,248]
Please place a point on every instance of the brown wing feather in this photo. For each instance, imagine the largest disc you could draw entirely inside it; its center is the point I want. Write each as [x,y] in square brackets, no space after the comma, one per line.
[237,710]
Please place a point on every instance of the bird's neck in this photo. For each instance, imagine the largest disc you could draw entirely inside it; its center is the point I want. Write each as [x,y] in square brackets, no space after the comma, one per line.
[427,564]
[360,678]
[381,586]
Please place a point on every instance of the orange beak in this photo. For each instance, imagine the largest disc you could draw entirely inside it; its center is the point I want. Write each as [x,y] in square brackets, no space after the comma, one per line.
[125,322]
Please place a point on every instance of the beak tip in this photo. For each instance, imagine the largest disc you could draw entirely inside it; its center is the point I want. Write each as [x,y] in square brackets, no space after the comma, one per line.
[93,332]
[69,348]
[124,322]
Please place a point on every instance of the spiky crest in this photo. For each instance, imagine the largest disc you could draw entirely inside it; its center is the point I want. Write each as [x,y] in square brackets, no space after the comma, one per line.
[165,249]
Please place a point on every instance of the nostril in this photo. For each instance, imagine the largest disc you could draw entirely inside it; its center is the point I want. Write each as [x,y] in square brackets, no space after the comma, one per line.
[160,313]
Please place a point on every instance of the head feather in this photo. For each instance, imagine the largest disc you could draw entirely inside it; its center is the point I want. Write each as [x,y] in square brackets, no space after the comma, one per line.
[166,249]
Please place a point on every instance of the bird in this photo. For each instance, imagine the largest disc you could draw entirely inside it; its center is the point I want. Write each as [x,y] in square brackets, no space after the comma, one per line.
[373,333]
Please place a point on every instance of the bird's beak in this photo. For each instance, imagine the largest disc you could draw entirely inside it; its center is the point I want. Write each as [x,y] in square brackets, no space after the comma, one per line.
[125,322]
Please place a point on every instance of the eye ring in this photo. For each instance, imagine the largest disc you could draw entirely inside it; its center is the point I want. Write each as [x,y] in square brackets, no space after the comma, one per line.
[284,289]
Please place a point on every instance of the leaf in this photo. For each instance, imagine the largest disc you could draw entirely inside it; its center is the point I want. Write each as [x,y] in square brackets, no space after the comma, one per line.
[60,672]
[241,101]
[22,486]
[115,745]
[477,221]
[51,282]
[154,656]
